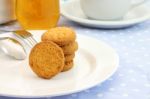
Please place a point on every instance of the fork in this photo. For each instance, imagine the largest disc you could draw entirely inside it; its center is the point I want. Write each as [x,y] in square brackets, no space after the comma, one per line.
[22,34]
[27,36]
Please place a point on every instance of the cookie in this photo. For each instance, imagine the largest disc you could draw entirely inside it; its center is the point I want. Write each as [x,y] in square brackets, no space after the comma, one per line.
[69,57]
[60,35]
[70,48]
[46,59]
[68,66]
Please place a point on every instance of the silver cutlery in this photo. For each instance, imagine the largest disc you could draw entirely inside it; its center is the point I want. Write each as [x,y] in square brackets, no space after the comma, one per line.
[12,48]
[26,36]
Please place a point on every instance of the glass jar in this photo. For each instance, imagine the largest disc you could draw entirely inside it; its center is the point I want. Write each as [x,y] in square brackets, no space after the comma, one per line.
[37,14]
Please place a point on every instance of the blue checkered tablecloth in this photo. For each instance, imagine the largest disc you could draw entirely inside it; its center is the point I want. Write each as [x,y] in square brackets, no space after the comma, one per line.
[132,79]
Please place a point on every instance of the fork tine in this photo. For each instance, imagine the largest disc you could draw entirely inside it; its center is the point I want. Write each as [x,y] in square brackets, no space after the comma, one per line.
[32,40]
[27,36]
[28,42]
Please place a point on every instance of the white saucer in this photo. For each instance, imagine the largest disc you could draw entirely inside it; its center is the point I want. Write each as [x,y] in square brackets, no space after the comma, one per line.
[73,11]
[94,63]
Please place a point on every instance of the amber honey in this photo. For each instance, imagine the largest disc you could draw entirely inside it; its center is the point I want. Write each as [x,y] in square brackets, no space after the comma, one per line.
[37,14]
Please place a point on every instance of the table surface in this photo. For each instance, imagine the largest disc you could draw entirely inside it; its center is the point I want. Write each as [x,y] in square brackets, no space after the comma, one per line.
[132,79]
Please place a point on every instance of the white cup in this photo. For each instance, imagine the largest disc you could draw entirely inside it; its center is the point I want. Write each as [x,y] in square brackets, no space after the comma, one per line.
[107,9]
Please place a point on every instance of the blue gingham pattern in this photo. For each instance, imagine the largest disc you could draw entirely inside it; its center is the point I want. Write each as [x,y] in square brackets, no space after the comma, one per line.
[132,79]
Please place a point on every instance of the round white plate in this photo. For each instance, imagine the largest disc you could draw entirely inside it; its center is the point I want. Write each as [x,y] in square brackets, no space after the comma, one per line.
[95,61]
[72,10]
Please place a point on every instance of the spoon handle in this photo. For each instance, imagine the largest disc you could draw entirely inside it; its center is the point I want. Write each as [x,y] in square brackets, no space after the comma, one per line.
[4,35]
[3,38]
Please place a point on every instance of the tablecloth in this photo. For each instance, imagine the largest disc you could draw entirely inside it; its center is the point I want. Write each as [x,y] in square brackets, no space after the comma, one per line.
[132,79]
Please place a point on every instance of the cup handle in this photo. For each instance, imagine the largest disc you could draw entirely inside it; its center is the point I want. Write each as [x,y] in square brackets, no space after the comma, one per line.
[135,4]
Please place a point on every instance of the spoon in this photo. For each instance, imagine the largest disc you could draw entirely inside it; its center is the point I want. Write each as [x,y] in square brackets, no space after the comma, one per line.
[12,48]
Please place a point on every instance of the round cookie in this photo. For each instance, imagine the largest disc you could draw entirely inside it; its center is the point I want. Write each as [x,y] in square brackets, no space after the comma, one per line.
[68,66]
[60,35]
[70,48]
[69,57]
[46,59]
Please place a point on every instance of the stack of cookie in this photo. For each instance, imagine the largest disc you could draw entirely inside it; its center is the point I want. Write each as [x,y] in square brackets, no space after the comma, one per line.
[65,38]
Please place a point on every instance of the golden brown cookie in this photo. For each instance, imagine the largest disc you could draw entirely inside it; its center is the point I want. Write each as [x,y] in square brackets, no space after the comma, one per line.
[60,35]
[46,59]
[70,48]
[68,66]
[69,57]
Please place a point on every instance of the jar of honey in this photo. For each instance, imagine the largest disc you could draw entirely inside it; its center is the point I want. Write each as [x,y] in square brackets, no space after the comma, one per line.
[37,14]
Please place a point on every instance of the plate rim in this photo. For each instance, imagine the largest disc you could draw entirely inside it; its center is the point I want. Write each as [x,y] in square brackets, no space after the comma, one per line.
[81,89]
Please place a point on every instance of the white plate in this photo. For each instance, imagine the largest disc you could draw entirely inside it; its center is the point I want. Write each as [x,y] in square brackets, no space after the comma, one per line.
[73,11]
[95,61]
